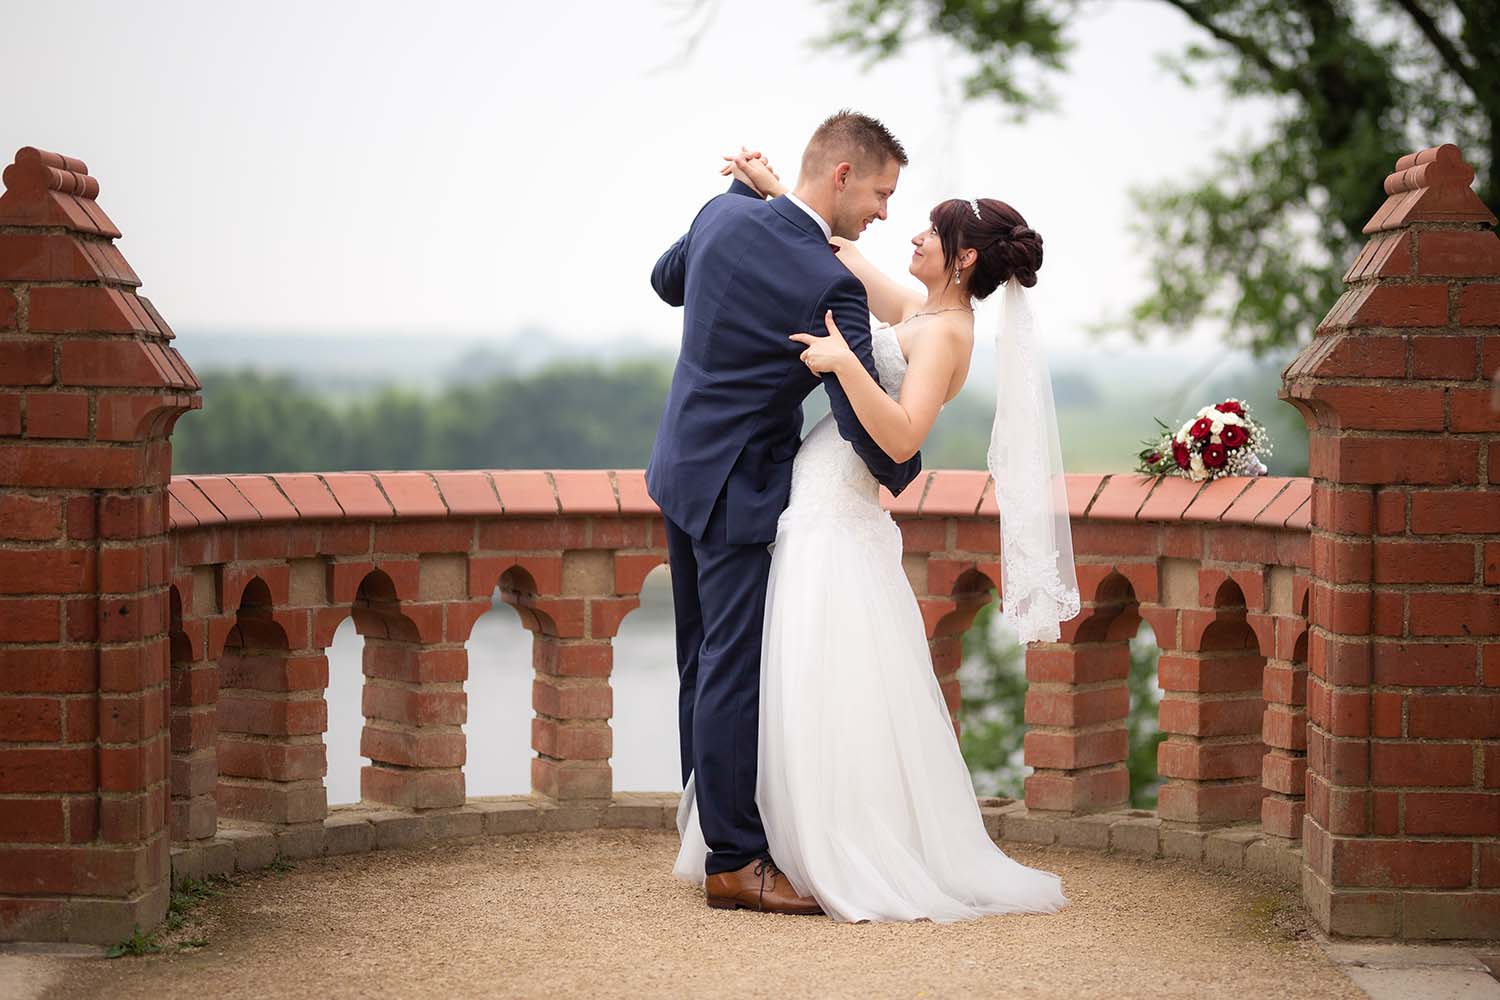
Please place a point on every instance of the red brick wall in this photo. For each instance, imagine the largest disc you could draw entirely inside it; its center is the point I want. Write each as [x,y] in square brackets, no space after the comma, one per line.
[1404,772]
[89,388]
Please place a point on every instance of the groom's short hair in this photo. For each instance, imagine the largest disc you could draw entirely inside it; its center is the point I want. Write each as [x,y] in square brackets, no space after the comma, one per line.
[848,136]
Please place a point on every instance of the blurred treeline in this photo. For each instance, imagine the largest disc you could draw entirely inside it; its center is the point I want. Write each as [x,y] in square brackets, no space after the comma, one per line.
[568,416]
[577,415]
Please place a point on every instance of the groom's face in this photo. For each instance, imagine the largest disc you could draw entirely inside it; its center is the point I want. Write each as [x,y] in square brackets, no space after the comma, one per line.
[860,197]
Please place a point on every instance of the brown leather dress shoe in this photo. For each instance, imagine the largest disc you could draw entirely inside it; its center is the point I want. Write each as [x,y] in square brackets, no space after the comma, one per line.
[760,885]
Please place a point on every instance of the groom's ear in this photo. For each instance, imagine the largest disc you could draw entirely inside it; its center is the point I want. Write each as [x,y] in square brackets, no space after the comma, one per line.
[841,175]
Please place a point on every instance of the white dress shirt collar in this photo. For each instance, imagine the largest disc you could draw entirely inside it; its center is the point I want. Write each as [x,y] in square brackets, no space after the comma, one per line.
[827,229]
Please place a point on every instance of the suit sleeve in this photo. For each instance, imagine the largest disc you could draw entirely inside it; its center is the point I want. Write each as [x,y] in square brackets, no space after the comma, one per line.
[852,314]
[669,276]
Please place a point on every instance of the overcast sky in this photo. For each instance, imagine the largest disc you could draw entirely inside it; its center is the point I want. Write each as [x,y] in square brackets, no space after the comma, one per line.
[447,167]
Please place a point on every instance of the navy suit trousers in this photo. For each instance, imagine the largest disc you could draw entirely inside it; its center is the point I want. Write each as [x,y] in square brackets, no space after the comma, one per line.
[719,592]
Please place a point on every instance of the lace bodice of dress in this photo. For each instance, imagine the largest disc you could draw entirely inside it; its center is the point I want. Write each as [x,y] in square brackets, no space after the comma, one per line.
[828,478]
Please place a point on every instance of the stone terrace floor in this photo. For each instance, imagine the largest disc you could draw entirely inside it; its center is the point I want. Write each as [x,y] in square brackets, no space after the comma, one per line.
[597,914]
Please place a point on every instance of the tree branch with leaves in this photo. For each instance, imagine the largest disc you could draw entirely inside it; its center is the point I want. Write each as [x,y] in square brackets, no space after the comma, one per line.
[1256,244]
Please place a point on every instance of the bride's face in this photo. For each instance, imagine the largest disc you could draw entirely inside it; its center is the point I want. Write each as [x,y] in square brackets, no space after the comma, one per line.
[927,257]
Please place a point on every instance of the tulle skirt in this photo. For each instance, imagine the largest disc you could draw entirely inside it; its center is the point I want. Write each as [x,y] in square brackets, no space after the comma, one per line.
[867,803]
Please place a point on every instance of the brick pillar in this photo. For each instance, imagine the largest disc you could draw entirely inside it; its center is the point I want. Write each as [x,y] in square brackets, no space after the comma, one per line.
[1403,809]
[1284,690]
[1077,698]
[271,712]
[89,390]
[194,684]
[1210,709]
[414,701]
[573,657]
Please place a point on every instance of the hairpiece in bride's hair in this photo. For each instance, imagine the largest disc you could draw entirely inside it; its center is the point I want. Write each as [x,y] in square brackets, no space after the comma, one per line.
[974,204]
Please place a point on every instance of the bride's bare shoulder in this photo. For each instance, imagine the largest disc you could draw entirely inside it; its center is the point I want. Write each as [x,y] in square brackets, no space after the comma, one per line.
[951,335]
[954,331]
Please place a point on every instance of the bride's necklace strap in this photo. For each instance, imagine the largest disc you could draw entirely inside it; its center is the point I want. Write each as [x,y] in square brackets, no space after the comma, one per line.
[934,312]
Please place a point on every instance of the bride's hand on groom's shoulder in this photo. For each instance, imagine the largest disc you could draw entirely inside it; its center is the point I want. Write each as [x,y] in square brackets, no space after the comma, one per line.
[829,353]
[752,168]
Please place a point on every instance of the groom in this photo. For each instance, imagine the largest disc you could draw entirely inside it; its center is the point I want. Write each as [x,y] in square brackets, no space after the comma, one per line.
[749,273]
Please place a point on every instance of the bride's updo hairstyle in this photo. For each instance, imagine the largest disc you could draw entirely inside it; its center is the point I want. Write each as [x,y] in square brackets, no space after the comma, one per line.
[1006,245]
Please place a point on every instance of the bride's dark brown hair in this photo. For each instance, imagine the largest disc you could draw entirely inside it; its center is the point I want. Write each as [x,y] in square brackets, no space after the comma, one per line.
[1006,245]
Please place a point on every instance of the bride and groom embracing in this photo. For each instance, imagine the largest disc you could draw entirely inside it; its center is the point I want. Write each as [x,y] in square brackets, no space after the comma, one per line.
[821,769]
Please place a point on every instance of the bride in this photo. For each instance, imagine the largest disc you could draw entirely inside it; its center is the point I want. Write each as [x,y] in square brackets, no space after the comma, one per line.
[867,803]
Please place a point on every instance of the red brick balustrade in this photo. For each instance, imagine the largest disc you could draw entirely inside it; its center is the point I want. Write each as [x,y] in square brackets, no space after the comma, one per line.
[90,387]
[414,556]
[1404,741]
[163,641]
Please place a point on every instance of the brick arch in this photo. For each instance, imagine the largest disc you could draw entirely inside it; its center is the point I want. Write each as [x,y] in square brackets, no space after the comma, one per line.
[180,644]
[518,588]
[1224,626]
[261,599]
[947,619]
[1228,594]
[1110,608]
[631,569]
[377,611]
[970,591]
[270,583]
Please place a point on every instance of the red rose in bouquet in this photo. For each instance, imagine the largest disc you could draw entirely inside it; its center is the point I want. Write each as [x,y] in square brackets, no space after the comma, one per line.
[1233,436]
[1202,428]
[1230,406]
[1214,456]
[1181,455]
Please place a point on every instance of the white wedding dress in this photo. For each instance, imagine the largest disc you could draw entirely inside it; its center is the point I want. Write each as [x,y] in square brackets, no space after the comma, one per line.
[866,800]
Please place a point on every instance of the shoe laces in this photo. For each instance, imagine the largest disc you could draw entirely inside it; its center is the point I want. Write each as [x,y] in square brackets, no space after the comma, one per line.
[762,867]
[765,864]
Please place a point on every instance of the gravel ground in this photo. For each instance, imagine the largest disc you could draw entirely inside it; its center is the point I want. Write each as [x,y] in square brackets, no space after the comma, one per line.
[597,914]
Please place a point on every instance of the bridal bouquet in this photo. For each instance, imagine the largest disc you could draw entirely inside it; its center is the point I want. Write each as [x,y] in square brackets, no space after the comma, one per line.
[1219,440]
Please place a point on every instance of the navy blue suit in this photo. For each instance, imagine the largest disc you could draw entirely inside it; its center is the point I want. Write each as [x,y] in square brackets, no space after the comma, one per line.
[748,273]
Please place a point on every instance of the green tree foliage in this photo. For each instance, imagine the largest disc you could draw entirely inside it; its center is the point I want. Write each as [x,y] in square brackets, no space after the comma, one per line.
[257,423]
[574,416]
[992,711]
[1140,725]
[1258,244]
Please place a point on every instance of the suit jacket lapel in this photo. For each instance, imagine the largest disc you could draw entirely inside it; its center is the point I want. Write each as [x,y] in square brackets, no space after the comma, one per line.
[791,213]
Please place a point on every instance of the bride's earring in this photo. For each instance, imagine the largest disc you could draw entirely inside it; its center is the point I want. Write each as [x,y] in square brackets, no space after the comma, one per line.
[958,275]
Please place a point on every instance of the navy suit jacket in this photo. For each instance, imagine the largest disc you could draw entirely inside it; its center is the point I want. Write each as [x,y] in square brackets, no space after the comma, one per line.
[750,273]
